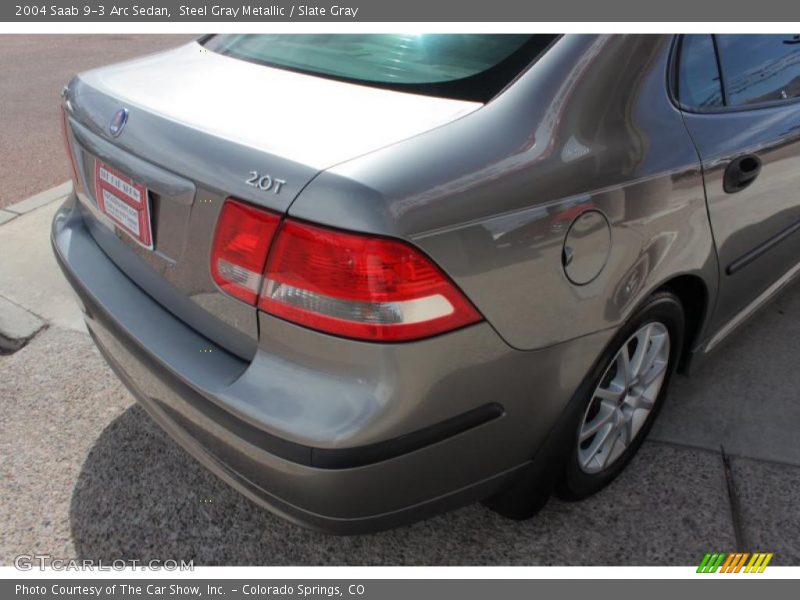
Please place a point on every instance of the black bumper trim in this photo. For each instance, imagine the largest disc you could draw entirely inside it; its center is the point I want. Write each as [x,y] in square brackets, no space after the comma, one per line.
[360,456]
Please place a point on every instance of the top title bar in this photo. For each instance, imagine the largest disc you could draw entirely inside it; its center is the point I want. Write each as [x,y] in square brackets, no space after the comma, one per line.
[176,11]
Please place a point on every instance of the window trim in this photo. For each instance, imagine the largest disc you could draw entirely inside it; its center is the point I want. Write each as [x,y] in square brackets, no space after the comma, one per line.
[675,51]
[723,81]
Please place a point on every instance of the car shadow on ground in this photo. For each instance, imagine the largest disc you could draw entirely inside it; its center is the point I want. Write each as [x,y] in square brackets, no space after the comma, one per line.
[139,496]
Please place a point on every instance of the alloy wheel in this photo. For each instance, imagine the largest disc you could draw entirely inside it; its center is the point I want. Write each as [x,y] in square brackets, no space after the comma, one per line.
[622,401]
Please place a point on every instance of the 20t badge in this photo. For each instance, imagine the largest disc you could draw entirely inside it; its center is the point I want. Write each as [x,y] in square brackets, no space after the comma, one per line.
[265,182]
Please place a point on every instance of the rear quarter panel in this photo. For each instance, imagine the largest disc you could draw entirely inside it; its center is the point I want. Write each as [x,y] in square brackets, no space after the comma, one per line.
[490,197]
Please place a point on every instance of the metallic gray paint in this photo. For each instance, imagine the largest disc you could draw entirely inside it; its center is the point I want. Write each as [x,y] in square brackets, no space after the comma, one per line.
[489,192]
[304,119]
[484,209]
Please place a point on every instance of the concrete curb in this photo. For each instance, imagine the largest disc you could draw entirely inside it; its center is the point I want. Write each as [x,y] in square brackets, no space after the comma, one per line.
[34,202]
[17,326]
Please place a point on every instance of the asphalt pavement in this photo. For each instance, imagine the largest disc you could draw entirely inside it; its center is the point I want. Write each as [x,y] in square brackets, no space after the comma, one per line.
[33,70]
[86,474]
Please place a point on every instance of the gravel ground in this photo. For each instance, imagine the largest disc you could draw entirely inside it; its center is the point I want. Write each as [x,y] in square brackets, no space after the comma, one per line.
[50,421]
[40,66]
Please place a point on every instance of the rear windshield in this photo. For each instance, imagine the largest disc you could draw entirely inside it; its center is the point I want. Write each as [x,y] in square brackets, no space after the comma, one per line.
[463,66]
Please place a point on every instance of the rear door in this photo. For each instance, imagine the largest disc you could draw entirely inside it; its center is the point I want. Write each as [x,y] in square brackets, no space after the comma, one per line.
[741,100]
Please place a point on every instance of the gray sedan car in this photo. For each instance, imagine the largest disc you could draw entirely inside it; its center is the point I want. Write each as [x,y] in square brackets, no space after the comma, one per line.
[368,278]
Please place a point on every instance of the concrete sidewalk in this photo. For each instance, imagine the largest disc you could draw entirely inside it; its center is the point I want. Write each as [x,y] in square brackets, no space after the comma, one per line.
[86,474]
[29,275]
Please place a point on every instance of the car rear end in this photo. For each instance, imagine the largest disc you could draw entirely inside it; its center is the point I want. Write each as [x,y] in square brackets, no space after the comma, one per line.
[337,376]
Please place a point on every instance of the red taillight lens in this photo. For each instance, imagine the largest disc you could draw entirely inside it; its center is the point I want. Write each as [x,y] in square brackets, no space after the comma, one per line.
[241,242]
[359,286]
[71,158]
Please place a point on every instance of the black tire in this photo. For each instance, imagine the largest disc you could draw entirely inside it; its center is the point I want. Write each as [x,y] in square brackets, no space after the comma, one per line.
[662,307]
[556,466]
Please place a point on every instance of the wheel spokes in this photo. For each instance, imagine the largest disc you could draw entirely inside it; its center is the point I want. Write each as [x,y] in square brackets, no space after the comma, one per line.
[637,362]
[656,369]
[626,430]
[624,360]
[600,443]
[603,418]
[612,392]
[640,401]
[654,355]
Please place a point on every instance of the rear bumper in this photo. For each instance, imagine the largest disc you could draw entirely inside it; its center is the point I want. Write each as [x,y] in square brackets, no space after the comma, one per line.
[333,434]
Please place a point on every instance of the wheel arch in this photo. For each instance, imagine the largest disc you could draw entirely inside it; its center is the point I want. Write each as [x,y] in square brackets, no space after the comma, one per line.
[693,294]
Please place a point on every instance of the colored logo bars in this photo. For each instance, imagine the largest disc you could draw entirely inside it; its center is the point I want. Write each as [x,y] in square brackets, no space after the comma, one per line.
[734,562]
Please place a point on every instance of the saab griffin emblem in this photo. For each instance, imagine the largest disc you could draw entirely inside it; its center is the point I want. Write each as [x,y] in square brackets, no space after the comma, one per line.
[118,122]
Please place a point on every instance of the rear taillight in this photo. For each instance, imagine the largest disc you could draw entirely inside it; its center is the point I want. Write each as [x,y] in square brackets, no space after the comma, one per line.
[65,136]
[241,242]
[353,285]
[359,286]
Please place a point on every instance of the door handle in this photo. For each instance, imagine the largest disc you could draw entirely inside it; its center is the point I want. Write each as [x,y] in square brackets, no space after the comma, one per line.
[741,172]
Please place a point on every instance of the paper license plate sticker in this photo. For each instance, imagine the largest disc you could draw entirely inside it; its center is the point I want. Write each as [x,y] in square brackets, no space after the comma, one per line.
[125,202]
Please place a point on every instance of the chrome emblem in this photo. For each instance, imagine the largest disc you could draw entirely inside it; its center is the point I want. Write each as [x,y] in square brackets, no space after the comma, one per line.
[265,182]
[118,122]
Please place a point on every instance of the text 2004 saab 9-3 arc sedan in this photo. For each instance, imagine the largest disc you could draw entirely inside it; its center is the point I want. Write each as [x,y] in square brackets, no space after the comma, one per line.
[367,278]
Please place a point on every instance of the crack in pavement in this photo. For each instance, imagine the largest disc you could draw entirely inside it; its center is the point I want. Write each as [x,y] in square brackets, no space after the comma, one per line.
[733,498]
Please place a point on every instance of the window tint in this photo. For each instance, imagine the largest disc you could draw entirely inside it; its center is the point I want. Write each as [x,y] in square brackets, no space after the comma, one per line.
[698,77]
[468,66]
[759,68]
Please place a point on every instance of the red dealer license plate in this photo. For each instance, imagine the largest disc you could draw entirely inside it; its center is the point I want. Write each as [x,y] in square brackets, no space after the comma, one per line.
[124,201]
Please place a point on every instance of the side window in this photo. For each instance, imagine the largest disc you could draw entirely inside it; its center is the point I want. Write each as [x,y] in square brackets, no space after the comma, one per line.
[759,68]
[699,83]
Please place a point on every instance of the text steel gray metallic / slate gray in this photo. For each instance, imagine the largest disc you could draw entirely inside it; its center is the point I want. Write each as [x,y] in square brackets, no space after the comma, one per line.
[409,11]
